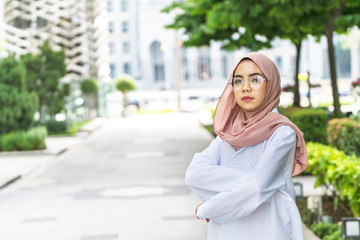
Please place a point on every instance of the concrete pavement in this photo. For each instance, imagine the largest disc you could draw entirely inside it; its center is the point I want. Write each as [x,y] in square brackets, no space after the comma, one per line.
[124,181]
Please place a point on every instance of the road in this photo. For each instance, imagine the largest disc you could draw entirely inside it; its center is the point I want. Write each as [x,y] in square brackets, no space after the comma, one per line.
[125,181]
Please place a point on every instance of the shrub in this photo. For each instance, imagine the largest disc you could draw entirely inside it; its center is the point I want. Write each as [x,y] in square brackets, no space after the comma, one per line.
[312,122]
[326,230]
[334,236]
[125,83]
[17,105]
[33,139]
[333,167]
[89,86]
[344,134]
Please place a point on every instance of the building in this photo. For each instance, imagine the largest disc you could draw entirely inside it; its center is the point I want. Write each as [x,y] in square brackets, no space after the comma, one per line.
[79,27]
[142,47]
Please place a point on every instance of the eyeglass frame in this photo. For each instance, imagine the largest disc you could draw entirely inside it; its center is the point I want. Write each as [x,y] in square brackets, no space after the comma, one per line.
[255,74]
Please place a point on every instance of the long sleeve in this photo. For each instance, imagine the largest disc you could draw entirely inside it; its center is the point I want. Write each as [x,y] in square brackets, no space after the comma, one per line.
[205,177]
[264,181]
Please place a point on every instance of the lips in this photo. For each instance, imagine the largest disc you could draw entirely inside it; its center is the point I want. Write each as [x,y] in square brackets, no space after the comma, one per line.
[247,98]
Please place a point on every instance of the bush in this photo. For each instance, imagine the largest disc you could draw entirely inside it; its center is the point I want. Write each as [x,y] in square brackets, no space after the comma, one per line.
[89,86]
[344,134]
[17,105]
[33,139]
[54,126]
[326,230]
[334,236]
[312,122]
[125,83]
[333,167]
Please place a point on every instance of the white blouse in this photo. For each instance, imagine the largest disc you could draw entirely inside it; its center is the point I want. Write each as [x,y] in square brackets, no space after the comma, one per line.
[248,194]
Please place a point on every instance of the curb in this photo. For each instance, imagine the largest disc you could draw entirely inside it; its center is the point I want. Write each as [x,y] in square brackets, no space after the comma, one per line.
[83,133]
[12,180]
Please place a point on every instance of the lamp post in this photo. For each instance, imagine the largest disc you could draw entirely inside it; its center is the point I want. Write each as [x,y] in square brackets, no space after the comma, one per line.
[178,73]
[351,228]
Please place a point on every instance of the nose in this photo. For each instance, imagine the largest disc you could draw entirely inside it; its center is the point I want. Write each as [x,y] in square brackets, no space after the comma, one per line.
[246,86]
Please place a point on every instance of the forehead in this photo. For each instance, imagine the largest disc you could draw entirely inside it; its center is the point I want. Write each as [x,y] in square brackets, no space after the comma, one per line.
[246,67]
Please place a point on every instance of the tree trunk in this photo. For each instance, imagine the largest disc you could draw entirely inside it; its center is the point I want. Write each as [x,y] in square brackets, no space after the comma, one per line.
[296,90]
[309,88]
[331,53]
[125,104]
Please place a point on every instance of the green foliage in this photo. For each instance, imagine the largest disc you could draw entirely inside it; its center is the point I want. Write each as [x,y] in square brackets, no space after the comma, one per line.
[344,134]
[312,122]
[327,231]
[66,89]
[18,106]
[33,139]
[125,83]
[54,126]
[334,236]
[333,167]
[89,86]
[44,71]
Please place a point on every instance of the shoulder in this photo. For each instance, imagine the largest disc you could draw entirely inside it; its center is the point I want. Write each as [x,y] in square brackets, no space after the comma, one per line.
[283,133]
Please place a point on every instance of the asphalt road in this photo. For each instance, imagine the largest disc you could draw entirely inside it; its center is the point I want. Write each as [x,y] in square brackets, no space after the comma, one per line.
[125,181]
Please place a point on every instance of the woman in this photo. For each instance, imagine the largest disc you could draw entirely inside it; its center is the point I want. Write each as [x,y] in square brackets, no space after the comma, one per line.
[244,176]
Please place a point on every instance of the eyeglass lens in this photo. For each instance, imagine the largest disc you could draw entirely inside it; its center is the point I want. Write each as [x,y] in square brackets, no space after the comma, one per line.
[255,82]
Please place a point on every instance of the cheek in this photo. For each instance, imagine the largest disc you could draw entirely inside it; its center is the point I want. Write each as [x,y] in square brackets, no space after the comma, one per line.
[237,98]
[262,97]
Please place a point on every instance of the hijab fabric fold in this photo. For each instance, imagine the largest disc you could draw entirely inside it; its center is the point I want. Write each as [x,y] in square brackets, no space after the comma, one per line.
[240,128]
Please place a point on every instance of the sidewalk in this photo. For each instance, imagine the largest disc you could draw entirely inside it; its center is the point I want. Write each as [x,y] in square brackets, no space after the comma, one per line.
[14,165]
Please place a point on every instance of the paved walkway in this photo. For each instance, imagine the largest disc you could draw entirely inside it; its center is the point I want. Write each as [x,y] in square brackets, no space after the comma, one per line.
[123,181]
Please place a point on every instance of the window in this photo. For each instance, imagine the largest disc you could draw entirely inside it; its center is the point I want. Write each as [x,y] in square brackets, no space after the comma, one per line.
[126,68]
[124,5]
[157,62]
[111,27]
[125,26]
[184,64]
[112,70]
[204,64]
[109,5]
[126,47]
[111,48]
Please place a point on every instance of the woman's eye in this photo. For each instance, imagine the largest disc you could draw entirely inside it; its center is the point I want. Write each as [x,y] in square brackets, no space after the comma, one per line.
[238,81]
[257,79]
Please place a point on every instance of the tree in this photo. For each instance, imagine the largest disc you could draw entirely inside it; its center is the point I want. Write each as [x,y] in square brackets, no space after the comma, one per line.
[344,14]
[44,71]
[244,24]
[125,84]
[17,104]
[89,88]
[241,24]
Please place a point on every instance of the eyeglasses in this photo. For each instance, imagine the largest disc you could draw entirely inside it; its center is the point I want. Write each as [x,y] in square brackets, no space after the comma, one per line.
[255,82]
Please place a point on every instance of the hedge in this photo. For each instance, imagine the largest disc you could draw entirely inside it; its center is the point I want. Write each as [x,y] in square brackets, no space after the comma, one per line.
[312,122]
[344,134]
[327,231]
[33,139]
[333,167]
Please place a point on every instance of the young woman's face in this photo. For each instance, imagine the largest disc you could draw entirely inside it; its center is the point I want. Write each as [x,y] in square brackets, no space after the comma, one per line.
[249,86]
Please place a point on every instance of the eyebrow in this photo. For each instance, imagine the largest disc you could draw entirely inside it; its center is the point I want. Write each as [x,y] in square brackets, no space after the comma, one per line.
[250,75]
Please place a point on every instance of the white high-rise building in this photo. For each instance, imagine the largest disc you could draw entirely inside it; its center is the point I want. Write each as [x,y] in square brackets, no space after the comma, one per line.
[77,26]
[142,47]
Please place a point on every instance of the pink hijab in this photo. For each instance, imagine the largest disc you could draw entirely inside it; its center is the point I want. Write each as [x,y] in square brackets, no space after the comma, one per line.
[240,128]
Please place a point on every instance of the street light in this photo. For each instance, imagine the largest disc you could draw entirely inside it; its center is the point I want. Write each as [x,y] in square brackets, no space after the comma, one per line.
[351,228]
